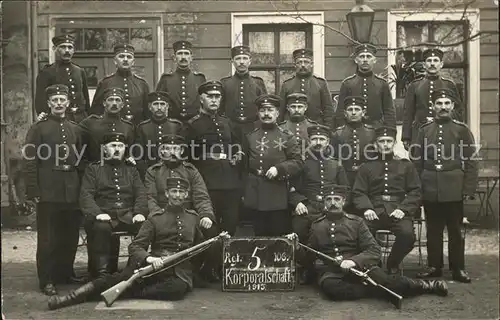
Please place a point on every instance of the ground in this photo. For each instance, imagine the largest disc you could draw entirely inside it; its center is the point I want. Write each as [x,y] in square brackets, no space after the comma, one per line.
[478,300]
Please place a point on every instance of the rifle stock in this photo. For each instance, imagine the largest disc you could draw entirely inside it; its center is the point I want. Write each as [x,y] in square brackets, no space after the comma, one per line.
[114,292]
[396,299]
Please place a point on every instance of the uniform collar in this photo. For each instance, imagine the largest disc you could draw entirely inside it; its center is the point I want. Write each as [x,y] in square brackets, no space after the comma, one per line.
[63,62]
[364,74]
[242,75]
[304,76]
[123,73]
[56,118]
[330,216]
[158,120]
[442,120]
[355,125]
[386,157]
[114,162]
[267,126]
[112,117]
[432,76]
[298,120]
[172,164]
[209,115]
[184,71]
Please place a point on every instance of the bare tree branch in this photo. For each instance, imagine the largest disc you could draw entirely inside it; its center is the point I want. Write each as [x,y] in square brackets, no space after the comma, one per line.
[295,14]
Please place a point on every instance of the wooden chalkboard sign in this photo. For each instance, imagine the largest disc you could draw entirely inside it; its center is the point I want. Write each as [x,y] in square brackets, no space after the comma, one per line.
[258,264]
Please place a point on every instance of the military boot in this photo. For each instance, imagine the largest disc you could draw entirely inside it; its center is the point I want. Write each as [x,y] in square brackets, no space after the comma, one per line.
[74,297]
[438,287]
[102,265]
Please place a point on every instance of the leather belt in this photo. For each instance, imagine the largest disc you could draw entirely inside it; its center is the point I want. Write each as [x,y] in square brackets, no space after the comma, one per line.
[65,167]
[442,167]
[129,117]
[388,198]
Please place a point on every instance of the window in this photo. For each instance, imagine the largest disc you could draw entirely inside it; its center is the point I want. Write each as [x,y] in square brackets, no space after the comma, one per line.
[455,58]
[272,47]
[95,39]
[462,62]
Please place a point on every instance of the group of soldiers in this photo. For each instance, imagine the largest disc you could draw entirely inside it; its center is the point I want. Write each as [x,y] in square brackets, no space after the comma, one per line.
[180,163]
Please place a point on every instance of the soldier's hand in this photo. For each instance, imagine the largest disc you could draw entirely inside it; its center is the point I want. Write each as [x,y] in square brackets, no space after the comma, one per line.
[291,236]
[347,264]
[138,218]
[406,145]
[155,261]
[236,158]
[271,173]
[397,214]
[103,217]
[131,160]
[301,209]
[206,223]
[370,215]
[41,116]
[467,197]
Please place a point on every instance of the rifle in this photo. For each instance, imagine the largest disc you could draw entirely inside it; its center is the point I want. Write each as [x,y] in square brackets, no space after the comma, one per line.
[396,299]
[114,292]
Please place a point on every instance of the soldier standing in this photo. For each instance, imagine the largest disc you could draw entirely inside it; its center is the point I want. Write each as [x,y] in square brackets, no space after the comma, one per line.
[418,108]
[374,89]
[64,71]
[352,141]
[96,126]
[444,158]
[298,123]
[52,182]
[183,83]
[136,89]
[112,198]
[149,132]
[216,151]
[272,156]
[159,231]
[321,170]
[387,191]
[346,238]
[241,90]
[319,97]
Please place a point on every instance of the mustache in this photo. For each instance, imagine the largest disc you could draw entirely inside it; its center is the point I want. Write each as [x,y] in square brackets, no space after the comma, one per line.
[266,118]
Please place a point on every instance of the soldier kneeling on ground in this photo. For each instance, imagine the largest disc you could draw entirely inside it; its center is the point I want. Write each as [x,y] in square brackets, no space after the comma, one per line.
[161,232]
[347,239]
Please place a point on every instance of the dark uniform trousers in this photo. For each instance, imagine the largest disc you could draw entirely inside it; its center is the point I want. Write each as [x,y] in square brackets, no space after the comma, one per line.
[437,216]
[162,286]
[226,207]
[58,226]
[273,223]
[350,287]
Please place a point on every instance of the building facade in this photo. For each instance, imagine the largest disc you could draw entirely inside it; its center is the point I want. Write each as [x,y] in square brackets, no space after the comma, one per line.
[273,29]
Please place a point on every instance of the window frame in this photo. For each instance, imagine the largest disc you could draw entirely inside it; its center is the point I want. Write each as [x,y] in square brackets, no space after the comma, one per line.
[110,20]
[276,29]
[472,52]
[316,18]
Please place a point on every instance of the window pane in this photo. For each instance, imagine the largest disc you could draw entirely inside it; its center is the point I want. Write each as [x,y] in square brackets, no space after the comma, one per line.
[262,47]
[115,36]
[456,75]
[92,76]
[289,41]
[412,33]
[142,39]
[95,39]
[448,33]
[285,75]
[269,77]
[77,33]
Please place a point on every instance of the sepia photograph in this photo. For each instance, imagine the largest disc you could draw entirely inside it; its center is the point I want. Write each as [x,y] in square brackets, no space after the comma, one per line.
[250,159]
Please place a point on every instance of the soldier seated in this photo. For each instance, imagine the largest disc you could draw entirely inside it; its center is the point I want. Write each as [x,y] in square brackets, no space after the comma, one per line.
[387,191]
[112,198]
[347,239]
[161,232]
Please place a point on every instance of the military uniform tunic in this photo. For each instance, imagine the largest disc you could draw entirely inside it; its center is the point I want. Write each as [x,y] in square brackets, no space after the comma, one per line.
[446,168]
[136,89]
[319,98]
[182,86]
[418,108]
[168,232]
[352,145]
[298,129]
[113,189]
[347,237]
[96,127]
[264,148]
[71,75]
[150,132]
[238,100]
[379,108]
[156,186]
